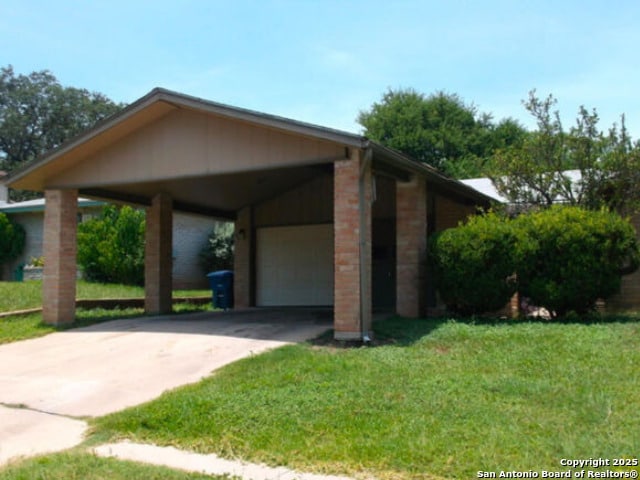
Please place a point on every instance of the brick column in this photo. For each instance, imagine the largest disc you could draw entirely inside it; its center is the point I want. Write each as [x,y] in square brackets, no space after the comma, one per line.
[352,278]
[59,250]
[242,258]
[411,246]
[157,256]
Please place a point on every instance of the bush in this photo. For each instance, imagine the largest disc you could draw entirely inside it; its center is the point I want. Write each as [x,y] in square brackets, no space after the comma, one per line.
[474,265]
[12,239]
[111,247]
[570,257]
[217,253]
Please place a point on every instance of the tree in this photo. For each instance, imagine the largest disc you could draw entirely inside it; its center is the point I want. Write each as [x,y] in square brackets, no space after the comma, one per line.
[38,114]
[583,166]
[111,247]
[217,253]
[440,130]
[12,239]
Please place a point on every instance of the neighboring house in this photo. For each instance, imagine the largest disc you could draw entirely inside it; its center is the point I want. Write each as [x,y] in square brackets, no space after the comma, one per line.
[190,233]
[629,296]
[322,217]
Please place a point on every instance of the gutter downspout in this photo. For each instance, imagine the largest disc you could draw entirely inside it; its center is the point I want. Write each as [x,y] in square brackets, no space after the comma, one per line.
[366,163]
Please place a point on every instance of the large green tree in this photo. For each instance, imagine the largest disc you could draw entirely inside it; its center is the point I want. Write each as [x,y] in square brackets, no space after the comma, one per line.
[12,239]
[582,166]
[38,114]
[439,129]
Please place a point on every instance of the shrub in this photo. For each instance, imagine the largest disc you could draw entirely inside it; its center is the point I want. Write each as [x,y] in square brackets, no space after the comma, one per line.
[217,253]
[111,247]
[570,257]
[12,239]
[474,265]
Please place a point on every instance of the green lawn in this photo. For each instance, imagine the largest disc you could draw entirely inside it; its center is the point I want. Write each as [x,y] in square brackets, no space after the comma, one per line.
[23,295]
[83,466]
[444,398]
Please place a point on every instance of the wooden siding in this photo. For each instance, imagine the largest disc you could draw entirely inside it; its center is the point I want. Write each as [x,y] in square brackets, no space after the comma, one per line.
[309,203]
[185,144]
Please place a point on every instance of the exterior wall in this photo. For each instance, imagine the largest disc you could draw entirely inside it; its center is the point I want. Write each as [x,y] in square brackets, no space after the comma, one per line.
[383,250]
[443,212]
[204,144]
[309,204]
[448,213]
[190,234]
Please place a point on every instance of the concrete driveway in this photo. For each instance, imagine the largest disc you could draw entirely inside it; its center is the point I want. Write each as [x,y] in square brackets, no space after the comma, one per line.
[106,367]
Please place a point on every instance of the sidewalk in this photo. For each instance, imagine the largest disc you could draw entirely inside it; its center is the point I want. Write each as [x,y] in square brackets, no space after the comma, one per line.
[210,464]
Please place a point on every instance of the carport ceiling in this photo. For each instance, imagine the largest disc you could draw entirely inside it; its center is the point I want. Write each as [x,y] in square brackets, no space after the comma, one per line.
[216,195]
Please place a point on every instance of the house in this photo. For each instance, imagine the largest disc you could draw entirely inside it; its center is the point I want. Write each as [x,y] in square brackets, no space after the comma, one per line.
[322,217]
[629,296]
[190,233]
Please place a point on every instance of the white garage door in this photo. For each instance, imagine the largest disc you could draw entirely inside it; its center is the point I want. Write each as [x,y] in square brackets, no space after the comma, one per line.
[295,266]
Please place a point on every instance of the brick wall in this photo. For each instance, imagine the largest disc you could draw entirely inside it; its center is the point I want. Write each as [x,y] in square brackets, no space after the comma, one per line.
[158,260]
[411,244]
[190,234]
[59,282]
[349,308]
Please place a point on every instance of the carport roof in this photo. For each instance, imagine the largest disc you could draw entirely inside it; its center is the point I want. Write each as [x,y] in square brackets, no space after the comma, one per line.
[159,102]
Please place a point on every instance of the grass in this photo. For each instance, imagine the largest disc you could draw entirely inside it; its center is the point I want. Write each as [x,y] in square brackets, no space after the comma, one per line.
[82,466]
[444,398]
[24,295]
[22,327]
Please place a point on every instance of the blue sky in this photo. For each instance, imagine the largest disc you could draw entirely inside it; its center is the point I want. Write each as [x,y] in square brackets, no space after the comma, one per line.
[324,61]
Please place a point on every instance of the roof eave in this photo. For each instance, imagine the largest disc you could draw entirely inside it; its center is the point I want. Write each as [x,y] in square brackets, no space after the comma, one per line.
[434,176]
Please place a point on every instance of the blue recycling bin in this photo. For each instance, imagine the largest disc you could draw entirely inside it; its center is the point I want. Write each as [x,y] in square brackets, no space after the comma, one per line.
[221,283]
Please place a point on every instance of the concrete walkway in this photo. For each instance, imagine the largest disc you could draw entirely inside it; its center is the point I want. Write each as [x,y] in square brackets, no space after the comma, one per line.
[209,464]
[26,432]
[109,366]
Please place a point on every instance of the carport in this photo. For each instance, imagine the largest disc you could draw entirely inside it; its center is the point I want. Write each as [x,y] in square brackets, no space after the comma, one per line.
[322,217]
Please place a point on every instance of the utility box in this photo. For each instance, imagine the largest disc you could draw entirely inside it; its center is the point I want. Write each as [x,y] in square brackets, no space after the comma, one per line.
[18,273]
[221,283]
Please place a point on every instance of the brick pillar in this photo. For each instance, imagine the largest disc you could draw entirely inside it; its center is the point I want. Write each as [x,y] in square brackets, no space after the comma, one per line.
[242,258]
[157,256]
[59,250]
[411,245]
[352,278]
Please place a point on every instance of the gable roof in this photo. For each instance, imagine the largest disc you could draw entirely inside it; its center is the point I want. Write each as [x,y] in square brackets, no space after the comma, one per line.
[160,102]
